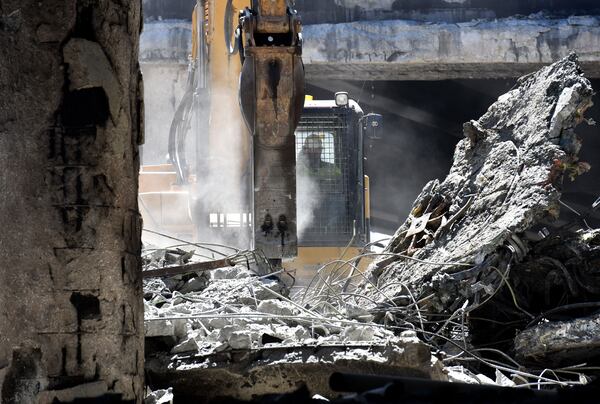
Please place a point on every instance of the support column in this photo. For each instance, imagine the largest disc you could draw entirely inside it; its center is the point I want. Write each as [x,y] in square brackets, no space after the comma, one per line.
[71,313]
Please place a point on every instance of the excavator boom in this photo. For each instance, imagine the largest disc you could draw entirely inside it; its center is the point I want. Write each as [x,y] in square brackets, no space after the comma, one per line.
[272,98]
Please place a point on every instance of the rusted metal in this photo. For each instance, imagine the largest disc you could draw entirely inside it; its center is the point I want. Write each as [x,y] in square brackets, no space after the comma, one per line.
[272,17]
[272,97]
[188,269]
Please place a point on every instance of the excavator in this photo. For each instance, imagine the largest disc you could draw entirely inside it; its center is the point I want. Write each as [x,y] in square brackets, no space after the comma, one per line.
[236,179]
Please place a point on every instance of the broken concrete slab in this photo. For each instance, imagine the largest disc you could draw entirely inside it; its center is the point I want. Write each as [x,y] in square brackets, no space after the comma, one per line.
[273,306]
[194,285]
[240,340]
[159,328]
[277,370]
[230,273]
[505,178]
[560,343]
[189,345]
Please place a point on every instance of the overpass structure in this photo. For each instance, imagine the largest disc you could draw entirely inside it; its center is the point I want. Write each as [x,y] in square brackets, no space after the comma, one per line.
[408,40]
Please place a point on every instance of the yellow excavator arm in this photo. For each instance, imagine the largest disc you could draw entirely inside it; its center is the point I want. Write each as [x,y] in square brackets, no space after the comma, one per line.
[272,98]
[271,95]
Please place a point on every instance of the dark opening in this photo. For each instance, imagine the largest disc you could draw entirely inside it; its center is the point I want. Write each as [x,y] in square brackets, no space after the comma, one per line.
[87,306]
[88,107]
[422,124]
[273,39]
[84,26]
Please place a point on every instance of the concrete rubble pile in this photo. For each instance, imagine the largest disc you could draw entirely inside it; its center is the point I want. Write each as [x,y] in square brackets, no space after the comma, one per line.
[232,333]
[477,261]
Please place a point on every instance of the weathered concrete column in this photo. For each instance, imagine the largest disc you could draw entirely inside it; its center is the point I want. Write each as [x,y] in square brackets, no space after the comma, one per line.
[70,124]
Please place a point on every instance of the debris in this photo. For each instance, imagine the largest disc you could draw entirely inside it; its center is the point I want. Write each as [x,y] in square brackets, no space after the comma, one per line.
[558,343]
[229,273]
[247,326]
[458,374]
[357,333]
[160,397]
[189,345]
[194,285]
[475,263]
[277,307]
[159,328]
[187,269]
[557,281]
[505,178]
[240,340]
[502,380]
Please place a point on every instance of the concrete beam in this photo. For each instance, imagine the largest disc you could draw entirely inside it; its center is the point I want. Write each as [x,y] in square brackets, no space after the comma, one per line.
[410,50]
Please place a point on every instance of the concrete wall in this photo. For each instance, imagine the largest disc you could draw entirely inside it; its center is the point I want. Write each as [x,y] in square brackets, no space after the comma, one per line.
[71,314]
[167,41]
[164,85]
[165,47]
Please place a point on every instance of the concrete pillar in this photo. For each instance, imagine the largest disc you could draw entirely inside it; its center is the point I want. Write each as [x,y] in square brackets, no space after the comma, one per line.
[71,314]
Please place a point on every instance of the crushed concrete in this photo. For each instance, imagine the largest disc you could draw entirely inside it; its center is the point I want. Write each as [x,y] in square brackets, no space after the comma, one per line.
[240,310]
[241,329]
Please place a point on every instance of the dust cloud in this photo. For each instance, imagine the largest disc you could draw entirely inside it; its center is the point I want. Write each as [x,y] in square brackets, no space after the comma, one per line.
[307,200]
[217,172]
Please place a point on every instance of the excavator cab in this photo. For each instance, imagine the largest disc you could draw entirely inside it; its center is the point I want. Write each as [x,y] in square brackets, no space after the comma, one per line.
[332,188]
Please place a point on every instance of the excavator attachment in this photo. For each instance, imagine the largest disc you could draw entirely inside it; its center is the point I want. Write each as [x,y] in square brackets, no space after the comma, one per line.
[272,98]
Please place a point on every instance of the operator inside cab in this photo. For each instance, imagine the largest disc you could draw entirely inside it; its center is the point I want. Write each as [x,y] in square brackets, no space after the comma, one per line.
[310,161]
[321,204]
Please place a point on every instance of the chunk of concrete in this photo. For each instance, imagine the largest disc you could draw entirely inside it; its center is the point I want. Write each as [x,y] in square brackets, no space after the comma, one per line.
[358,333]
[240,340]
[194,285]
[276,307]
[182,327]
[189,345]
[159,328]
[237,272]
[561,342]
[160,397]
